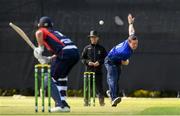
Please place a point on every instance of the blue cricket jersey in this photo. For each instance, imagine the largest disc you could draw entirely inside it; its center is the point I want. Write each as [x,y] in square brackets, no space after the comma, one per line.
[120,52]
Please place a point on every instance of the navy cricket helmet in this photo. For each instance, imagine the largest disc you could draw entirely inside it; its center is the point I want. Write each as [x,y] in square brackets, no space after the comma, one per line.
[45,21]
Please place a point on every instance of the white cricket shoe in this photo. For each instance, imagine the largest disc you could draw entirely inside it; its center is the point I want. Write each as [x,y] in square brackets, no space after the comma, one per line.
[116,101]
[60,109]
[108,93]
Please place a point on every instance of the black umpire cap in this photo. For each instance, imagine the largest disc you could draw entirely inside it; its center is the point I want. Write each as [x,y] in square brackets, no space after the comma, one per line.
[93,33]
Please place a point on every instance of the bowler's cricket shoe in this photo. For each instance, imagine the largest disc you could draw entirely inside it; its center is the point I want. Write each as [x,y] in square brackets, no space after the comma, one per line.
[116,101]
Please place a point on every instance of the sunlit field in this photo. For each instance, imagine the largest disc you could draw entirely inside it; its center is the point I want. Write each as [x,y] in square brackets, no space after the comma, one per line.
[21,105]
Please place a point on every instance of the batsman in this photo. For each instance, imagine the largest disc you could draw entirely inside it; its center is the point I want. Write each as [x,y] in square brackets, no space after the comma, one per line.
[119,55]
[65,55]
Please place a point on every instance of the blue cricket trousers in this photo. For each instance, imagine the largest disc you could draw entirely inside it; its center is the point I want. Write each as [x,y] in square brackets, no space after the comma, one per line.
[113,73]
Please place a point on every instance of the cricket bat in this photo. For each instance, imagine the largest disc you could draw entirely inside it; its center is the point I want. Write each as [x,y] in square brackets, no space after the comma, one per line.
[22,34]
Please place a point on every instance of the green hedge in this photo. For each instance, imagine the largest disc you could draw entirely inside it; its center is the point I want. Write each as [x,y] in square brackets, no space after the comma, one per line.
[79,93]
[30,92]
[147,93]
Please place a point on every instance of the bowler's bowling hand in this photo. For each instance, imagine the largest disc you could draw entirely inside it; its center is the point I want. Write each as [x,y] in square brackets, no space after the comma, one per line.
[125,62]
[130,19]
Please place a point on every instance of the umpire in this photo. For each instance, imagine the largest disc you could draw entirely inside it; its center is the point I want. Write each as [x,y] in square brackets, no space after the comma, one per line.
[93,57]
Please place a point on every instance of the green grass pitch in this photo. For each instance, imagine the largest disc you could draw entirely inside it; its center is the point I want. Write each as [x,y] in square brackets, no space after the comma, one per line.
[23,106]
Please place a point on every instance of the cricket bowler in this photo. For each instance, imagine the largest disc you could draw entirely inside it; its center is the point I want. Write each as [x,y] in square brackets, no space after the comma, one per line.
[119,55]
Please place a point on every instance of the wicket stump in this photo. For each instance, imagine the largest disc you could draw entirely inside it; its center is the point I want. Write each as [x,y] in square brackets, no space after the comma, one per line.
[42,69]
[87,87]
